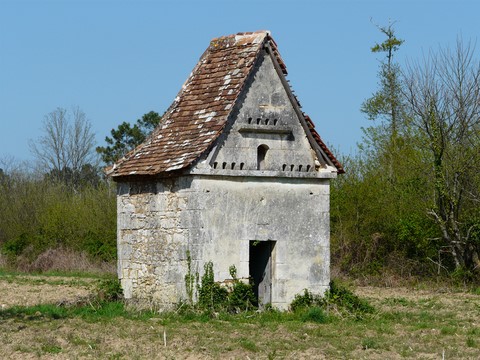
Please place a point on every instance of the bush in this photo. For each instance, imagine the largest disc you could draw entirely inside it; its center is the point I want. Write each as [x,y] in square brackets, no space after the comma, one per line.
[338,296]
[346,299]
[241,298]
[214,297]
[38,215]
[211,296]
[109,290]
[14,247]
[303,301]
[315,314]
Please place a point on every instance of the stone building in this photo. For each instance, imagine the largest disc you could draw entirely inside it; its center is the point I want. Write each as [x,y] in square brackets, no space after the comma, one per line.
[235,174]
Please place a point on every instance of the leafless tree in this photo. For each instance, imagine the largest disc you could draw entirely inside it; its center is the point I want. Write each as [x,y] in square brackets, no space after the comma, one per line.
[81,141]
[443,95]
[67,142]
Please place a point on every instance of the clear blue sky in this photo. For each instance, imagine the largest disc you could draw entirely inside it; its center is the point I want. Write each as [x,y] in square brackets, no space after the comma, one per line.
[117,59]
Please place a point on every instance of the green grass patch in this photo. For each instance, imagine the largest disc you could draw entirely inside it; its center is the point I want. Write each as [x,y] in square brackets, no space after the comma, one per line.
[36,312]
[248,344]
[448,330]
[315,314]
[476,291]
[51,348]
[471,342]
[474,331]
[369,343]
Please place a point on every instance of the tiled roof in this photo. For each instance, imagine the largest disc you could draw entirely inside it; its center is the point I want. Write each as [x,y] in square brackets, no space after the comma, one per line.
[199,112]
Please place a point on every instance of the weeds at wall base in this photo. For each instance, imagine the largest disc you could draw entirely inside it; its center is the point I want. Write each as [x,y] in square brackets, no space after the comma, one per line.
[211,297]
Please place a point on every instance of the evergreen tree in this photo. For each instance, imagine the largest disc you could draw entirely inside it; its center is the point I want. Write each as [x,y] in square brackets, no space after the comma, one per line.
[126,137]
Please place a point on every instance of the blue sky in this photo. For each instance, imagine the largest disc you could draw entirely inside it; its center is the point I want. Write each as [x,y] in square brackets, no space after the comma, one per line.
[117,59]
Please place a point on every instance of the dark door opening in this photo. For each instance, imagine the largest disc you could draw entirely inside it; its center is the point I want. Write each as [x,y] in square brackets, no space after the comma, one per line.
[260,267]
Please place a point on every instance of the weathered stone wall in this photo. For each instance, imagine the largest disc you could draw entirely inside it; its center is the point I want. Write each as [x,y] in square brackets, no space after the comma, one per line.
[216,218]
[265,116]
[152,241]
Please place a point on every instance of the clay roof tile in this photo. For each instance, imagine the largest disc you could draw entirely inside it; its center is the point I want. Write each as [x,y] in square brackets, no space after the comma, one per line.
[200,110]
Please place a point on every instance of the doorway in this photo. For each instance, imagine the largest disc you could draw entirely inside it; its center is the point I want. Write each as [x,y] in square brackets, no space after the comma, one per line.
[260,267]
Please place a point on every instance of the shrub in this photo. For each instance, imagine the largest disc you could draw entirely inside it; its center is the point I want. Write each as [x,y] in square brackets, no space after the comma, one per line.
[337,295]
[241,297]
[346,299]
[302,301]
[109,290]
[14,247]
[315,314]
[211,296]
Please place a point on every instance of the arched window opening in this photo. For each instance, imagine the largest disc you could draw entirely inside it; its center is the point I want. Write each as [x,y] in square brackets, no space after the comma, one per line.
[261,154]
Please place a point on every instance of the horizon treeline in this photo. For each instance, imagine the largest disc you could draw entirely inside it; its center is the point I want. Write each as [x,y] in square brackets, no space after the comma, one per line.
[408,204]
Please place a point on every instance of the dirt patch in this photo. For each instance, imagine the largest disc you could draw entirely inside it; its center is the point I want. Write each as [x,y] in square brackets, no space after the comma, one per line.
[35,290]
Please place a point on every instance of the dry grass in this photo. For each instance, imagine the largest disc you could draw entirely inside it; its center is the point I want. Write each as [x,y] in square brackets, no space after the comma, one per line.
[64,260]
[3,261]
[409,323]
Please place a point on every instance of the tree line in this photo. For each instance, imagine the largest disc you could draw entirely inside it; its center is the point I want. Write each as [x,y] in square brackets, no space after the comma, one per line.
[408,203]
[64,201]
[410,198]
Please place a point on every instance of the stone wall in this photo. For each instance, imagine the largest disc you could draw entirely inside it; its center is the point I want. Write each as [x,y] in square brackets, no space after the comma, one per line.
[265,116]
[216,218]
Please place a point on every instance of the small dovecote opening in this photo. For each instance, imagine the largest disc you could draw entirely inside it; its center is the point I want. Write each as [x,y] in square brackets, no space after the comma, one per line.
[233,166]
[241,166]
[261,155]
[284,167]
[249,120]
[215,164]
[224,165]
[308,168]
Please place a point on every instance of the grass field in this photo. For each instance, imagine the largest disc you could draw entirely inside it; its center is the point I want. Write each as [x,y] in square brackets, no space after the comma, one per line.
[40,317]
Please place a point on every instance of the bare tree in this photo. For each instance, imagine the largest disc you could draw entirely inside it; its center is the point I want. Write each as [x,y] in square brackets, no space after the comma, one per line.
[443,95]
[67,143]
[81,141]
